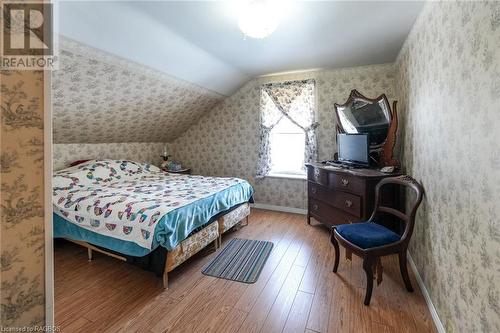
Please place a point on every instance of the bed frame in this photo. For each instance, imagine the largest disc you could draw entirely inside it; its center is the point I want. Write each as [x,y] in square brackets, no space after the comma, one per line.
[212,233]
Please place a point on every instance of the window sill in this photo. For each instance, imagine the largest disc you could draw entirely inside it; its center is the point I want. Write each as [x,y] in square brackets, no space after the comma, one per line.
[287,176]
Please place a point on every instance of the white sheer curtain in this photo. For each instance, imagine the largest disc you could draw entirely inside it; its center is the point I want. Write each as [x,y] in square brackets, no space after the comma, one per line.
[294,100]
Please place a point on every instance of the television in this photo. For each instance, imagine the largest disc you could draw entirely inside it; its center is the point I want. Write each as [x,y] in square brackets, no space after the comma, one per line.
[354,149]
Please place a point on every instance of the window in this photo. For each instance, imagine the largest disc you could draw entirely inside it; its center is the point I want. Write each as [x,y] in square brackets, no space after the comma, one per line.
[287,148]
[288,129]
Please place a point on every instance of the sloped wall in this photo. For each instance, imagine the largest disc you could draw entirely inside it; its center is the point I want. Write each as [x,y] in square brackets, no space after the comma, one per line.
[99,97]
[22,199]
[448,79]
[225,141]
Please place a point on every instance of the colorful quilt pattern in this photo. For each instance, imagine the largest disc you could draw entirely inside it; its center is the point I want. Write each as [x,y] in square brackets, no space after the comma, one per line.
[124,199]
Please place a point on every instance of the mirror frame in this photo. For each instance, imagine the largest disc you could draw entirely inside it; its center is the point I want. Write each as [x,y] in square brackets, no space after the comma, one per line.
[385,150]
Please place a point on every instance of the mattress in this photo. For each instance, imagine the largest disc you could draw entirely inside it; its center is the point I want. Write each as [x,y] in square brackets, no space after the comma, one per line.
[91,196]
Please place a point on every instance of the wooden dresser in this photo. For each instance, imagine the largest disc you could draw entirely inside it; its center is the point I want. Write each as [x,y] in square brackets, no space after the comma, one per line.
[340,196]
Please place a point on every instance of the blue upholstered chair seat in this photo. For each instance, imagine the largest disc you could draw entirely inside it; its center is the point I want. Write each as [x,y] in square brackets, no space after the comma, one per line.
[367,234]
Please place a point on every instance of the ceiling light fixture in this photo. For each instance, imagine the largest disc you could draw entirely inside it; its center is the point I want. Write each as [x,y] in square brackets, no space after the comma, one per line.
[259,18]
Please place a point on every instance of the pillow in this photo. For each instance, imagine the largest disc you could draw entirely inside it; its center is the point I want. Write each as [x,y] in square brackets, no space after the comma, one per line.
[100,172]
[78,162]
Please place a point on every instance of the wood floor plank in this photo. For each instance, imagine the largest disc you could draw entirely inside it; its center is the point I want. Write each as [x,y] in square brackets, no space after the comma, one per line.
[236,290]
[265,300]
[231,323]
[339,309]
[379,328]
[199,307]
[82,300]
[358,312]
[222,306]
[306,250]
[148,316]
[320,309]
[321,246]
[170,319]
[110,318]
[77,326]
[111,304]
[277,316]
[296,291]
[253,292]
[297,318]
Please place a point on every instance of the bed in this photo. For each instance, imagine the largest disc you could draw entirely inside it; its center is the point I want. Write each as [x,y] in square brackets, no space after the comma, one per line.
[140,214]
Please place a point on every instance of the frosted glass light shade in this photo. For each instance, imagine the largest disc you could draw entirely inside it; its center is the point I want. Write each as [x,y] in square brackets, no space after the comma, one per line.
[258,19]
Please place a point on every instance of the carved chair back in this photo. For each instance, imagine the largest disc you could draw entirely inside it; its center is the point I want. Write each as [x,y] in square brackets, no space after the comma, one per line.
[408,218]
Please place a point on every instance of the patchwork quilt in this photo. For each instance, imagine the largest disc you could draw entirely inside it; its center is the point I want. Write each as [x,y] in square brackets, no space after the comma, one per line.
[124,199]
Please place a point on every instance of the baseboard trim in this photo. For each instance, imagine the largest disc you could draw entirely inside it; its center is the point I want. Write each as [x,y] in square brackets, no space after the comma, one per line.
[427,297]
[280,208]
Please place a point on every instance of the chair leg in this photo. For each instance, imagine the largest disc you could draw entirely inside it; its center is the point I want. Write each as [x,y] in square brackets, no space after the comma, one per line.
[368,267]
[337,252]
[348,254]
[379,270]
[404,270]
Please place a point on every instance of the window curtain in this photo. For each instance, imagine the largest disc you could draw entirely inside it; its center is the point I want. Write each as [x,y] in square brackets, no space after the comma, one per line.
[294,100]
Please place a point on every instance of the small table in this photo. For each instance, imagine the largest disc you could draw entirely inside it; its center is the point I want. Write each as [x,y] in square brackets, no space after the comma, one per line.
[186,171]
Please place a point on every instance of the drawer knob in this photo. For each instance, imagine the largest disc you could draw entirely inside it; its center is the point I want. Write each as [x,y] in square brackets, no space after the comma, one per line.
[315,207]
[313,190]
[344,182]
[348,203]
[316,172]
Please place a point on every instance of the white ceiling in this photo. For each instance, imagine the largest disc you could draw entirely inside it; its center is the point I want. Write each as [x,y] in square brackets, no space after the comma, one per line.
[199,41]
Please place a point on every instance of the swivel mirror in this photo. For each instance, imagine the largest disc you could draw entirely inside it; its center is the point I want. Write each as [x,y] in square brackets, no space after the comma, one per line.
[360,114]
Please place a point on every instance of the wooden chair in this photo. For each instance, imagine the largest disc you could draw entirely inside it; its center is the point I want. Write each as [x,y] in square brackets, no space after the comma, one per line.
[370,240]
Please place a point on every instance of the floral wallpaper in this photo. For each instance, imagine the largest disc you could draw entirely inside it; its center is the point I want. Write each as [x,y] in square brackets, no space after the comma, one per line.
[22,297]
[225,141]
[149,152]
[99,97]
[448,79]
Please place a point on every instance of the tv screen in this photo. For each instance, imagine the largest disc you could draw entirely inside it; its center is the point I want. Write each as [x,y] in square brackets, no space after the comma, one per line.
[354,149]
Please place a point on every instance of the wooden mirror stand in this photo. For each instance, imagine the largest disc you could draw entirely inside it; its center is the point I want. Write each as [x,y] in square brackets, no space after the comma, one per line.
[386,157]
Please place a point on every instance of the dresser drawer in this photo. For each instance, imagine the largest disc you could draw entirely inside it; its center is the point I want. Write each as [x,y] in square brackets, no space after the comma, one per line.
[317,175]
[347,202]
[346,183]
[325,213]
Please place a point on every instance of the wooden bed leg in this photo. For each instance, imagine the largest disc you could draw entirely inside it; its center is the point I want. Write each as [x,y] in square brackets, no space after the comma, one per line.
[89,253]
[165,272]
[240,224]
[165,280]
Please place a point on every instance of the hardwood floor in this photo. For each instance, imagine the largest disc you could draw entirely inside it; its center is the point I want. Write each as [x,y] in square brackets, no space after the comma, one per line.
[296,291]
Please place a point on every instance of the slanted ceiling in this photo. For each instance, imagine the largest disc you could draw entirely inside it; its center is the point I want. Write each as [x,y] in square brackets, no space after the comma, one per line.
[102,97]
[99,97]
